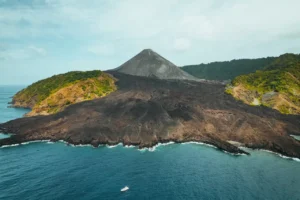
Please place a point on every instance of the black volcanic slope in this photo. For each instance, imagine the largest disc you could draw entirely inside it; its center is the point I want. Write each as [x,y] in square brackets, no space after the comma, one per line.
[150,64]
[145,111]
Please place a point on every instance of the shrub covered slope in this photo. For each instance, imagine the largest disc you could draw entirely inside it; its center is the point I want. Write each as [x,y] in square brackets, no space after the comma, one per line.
[55,93]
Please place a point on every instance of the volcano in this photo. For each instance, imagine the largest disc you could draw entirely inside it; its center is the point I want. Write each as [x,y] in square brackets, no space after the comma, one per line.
[150,107]
[150,64]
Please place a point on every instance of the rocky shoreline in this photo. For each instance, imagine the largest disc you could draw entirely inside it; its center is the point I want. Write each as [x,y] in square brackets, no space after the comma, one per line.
[152,148]
[230,149]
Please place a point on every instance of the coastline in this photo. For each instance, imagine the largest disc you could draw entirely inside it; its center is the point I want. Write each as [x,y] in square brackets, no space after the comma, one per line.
[227,147]
[242,146]
[153,148]
[139,115]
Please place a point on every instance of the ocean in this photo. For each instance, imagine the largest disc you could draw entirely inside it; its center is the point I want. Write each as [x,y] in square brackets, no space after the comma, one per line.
[44,170]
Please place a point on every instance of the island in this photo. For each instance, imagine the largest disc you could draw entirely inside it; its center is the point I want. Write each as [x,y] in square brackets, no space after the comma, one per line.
[158,104]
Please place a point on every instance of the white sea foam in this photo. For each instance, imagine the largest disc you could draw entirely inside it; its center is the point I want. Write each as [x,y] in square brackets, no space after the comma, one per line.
[272,152]
[200,143]
[152,149]
[79,145]
[209,145]
[113,146]
[282,156]
[34,141]
[296,159]
[84,145]
[12,145]
[165,144]
[25,143]
[142,149]
[129,146]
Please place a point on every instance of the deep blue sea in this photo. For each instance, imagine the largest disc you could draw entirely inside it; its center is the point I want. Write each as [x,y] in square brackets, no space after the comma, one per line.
[178,171]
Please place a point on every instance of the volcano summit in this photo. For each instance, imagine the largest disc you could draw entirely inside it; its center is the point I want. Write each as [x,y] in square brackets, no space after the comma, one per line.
[149,107]
[150,64]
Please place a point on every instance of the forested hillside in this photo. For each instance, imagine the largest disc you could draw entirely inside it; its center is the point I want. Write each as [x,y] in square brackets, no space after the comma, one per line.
[228,69]
[276,86]
[53,94]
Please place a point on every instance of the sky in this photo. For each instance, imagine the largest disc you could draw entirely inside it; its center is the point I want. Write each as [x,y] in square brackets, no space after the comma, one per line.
[40,38]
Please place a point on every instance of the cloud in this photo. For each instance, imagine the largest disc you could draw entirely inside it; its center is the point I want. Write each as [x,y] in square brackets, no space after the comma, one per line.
[21,53]
[14,54]
[182,44]
[291,36]
[206,30]
[102,50]
[141,19]
[37,50]
[197,26]
[22,3]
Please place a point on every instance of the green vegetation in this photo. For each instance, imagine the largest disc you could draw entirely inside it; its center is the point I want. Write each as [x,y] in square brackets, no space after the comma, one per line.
[277,85]
[55,93]
[228,69]
[43,88]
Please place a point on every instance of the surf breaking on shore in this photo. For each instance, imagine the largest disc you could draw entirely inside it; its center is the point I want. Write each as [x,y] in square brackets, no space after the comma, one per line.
[150,149]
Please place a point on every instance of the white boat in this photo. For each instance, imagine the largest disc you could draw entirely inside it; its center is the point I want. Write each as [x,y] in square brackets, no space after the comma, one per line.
[124,189]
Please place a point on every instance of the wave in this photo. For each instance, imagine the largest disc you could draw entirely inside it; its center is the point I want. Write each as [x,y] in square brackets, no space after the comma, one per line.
[200,143]
[209,145]
[34,141]
[152,149]
[12,145]
[24,143]
[79,145]
[84,145]
[272,152]
[62,141]
[280,155]
[113,146]
[129,146]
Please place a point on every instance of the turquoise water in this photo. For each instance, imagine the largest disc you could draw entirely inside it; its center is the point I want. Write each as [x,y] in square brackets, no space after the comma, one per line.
[178,171]
[6,114]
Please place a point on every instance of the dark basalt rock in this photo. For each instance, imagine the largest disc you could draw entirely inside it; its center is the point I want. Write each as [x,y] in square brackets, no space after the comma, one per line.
[145,111]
